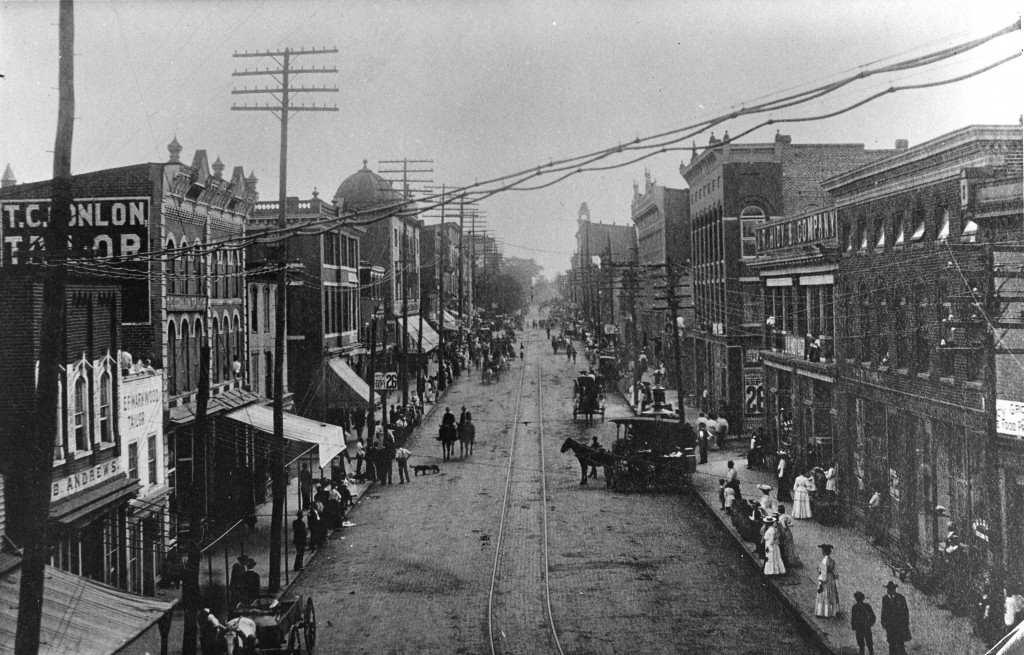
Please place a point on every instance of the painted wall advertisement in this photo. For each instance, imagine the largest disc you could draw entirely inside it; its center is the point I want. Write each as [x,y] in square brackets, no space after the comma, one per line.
[753,392]
[100,228]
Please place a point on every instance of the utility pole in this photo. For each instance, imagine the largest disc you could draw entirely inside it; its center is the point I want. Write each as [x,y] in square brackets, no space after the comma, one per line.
[406,216]
[462,295]
[32,480]
[441,270]
[671,282]
[282,94]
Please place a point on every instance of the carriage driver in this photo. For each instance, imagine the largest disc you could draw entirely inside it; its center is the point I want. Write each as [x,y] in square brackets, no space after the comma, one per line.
[596,446]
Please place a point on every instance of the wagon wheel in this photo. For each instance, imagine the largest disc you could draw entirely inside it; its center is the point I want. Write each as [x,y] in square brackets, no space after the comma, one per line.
[309,626]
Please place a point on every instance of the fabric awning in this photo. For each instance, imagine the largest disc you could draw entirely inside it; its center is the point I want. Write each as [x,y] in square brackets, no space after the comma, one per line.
[79,615]
[330,439]
[450,322]
[346,389]
[430,337]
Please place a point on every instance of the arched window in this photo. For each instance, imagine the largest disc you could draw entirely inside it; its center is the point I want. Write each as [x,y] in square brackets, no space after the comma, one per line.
[902,221]
[266,309]
[170,267]
[919,225]
[200,341]
[82,440]
[239,341]
[106,421]
[880,232]
[215,334]
[172,358]
[186,356]
[943,225]
[970,232]
[750,218]
[62,425]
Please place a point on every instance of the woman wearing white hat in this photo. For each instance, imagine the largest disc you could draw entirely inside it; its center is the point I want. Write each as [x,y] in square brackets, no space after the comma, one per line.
[772,552]
[767,503]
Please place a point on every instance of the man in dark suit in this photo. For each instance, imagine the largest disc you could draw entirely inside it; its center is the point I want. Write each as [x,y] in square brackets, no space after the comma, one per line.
[895,619]
[236,583]
[299,539]
[252,581]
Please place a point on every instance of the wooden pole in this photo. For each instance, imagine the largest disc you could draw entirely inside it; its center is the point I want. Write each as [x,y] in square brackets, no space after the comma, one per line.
[32,479]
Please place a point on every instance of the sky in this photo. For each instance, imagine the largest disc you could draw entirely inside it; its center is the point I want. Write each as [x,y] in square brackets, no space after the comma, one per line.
[487,88]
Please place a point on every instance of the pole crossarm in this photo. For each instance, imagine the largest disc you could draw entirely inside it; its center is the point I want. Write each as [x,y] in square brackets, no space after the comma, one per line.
[301,89]
[289,51]
[282,71]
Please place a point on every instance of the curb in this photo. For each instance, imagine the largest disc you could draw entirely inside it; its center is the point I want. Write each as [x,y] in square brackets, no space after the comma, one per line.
[815,632]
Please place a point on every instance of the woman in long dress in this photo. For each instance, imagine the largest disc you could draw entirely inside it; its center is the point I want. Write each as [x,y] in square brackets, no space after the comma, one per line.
[772,552]
[802,497]
[784,524]
[830,478]
[827,602]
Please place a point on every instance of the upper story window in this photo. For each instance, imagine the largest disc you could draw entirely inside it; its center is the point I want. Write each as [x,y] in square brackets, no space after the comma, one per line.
[750,218]
[171,267]
[81,415]
[918,226]
[901,228]
[880,233]
[106,422]
[254,309]
[970,232]
[943,225]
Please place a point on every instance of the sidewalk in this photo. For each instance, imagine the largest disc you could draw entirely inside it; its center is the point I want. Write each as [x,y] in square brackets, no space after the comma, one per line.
[861,568]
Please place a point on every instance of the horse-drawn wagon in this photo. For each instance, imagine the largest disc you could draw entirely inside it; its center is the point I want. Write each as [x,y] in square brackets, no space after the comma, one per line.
[286,626]
[653,453]
[588,399]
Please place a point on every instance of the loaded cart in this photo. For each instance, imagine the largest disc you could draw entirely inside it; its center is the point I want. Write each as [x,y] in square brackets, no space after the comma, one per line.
[286,626]
[588,398]
[653,453]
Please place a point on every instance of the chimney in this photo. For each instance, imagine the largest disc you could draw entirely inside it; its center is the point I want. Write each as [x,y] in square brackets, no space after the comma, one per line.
[783,138]
[175,149]
[8,179]
[902,144]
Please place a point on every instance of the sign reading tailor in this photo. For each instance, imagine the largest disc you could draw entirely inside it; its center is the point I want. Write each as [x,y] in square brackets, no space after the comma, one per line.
[142,404]
[112,228]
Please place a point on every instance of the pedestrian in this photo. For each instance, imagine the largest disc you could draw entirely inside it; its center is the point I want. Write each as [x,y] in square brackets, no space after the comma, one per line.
[767,503]
[827,602]
[315,520]
[335,510]
[702,441]
[402,456]
[783,474]
[522,352]
[773,564]
[388,455]
[831,483]
[732,478]
[305,485]
[721,490]
[862,617]
[729,498]
[723,430]
[802,497]
[236,581]
[875,519]
[752,454]
[299,539]
[1013,607]
[784,523]
[251,582]
[895,619]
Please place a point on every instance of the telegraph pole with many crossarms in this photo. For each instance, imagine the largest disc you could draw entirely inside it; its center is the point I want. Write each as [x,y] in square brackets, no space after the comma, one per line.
[282,93]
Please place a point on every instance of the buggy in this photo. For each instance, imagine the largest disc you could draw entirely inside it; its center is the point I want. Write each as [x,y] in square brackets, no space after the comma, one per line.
[653,453]
[282,626]
[608,366]
[587,398]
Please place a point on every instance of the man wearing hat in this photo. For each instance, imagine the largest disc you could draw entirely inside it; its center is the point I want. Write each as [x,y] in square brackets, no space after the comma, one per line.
[895,619]
[862,617]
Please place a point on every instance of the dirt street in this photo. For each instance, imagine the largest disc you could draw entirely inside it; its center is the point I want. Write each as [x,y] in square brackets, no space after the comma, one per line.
[641,573]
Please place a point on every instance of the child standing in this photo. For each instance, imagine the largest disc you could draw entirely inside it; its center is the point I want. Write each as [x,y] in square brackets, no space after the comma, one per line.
[721,491]
[862,617]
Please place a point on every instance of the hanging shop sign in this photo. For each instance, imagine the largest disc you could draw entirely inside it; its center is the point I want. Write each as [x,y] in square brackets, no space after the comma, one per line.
[753,397]
[1010,418]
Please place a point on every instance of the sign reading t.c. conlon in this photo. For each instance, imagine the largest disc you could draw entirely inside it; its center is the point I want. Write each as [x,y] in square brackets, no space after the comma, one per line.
[108,228]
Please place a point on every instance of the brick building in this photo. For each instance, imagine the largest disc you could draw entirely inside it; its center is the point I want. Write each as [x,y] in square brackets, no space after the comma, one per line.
[734,188]
[662,218]
[917,315]
[323,308]
[91,489]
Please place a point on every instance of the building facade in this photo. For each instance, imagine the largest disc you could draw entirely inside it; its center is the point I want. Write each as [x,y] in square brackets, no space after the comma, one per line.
[734,188]
[323,307]
[797,263]
[918,315]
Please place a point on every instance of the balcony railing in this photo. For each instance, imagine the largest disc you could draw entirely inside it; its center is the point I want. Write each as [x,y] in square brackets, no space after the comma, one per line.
[801,347]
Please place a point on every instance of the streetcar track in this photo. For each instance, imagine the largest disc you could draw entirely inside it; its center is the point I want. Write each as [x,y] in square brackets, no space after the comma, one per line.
[544,513]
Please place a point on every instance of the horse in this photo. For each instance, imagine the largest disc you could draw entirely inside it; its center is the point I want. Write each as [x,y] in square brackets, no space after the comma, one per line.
[467,437]
[447,435]
[588,456]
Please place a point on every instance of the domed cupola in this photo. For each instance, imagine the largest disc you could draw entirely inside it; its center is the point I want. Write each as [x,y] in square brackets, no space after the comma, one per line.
[364,189]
